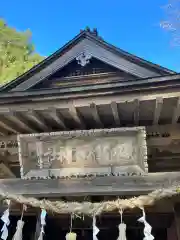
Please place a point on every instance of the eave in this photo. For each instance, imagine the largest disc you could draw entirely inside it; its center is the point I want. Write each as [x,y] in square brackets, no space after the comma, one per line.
[90,90]
[100,105]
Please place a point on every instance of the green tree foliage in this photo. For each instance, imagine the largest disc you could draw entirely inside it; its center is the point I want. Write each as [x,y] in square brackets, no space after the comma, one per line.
[17,53]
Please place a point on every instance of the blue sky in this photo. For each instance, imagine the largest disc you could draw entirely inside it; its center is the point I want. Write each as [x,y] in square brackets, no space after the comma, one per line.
[131,25]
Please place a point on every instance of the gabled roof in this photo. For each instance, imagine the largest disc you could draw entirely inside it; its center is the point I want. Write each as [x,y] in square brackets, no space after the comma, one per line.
[89,43]
[136,86]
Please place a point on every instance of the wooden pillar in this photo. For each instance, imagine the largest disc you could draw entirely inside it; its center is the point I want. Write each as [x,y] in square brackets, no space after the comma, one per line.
[38,228]
[177,219]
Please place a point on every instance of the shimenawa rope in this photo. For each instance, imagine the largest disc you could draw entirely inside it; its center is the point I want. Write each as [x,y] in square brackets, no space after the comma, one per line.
[89,208]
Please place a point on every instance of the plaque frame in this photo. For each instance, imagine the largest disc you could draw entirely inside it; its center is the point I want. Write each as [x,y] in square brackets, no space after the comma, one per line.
[138,167]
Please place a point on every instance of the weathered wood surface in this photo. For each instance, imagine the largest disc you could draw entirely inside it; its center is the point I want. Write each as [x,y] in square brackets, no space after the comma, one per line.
[82,95]
[111,185]
[89,48]
[82,153]
[163,143]
[86,114]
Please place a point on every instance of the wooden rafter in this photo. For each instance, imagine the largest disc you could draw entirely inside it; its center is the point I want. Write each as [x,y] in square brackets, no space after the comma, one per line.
[95,115]
[115,113]
[76,116]
[21,122]
[55,115]
[3,131]
[136,111]
[99,99]
[7,125]
[158,109]
[38,119]
[176,112]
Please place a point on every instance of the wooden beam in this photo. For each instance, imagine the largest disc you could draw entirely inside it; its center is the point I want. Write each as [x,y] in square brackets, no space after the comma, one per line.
[19,120]
[76,116]
[7,125]
[158,109]
[36,117]
[164,164]
[55,115]
[136,112]
[115,113]
[5,168]
[173,129]
[3,131]
[95,114]
[176,112]
[110,185]
[101,99]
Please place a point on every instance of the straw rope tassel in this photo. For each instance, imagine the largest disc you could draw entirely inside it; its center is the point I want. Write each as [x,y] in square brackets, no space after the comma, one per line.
[43,223]
[122,228]
[20,224]
[5,219]
[71,235]
[147,227]
[95,229]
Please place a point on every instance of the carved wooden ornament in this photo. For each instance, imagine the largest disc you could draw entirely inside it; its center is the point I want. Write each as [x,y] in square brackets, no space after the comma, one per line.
[83,58]
[117,151]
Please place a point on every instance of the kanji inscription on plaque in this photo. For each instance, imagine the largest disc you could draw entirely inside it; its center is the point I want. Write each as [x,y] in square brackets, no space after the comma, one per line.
[81,153]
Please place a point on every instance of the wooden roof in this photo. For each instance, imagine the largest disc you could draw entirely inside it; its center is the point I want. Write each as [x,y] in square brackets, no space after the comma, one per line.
[88,43]
[136,93]
[142,93]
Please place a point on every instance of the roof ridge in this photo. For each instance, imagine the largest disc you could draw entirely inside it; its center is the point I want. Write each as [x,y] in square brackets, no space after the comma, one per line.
[87,33]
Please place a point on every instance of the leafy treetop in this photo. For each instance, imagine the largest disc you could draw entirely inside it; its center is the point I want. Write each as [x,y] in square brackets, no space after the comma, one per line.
[17,54]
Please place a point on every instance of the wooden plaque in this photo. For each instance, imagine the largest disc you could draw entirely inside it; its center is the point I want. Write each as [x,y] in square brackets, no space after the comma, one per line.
[117,151]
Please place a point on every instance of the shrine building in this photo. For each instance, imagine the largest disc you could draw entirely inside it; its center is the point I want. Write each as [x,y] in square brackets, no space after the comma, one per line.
[94,123]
